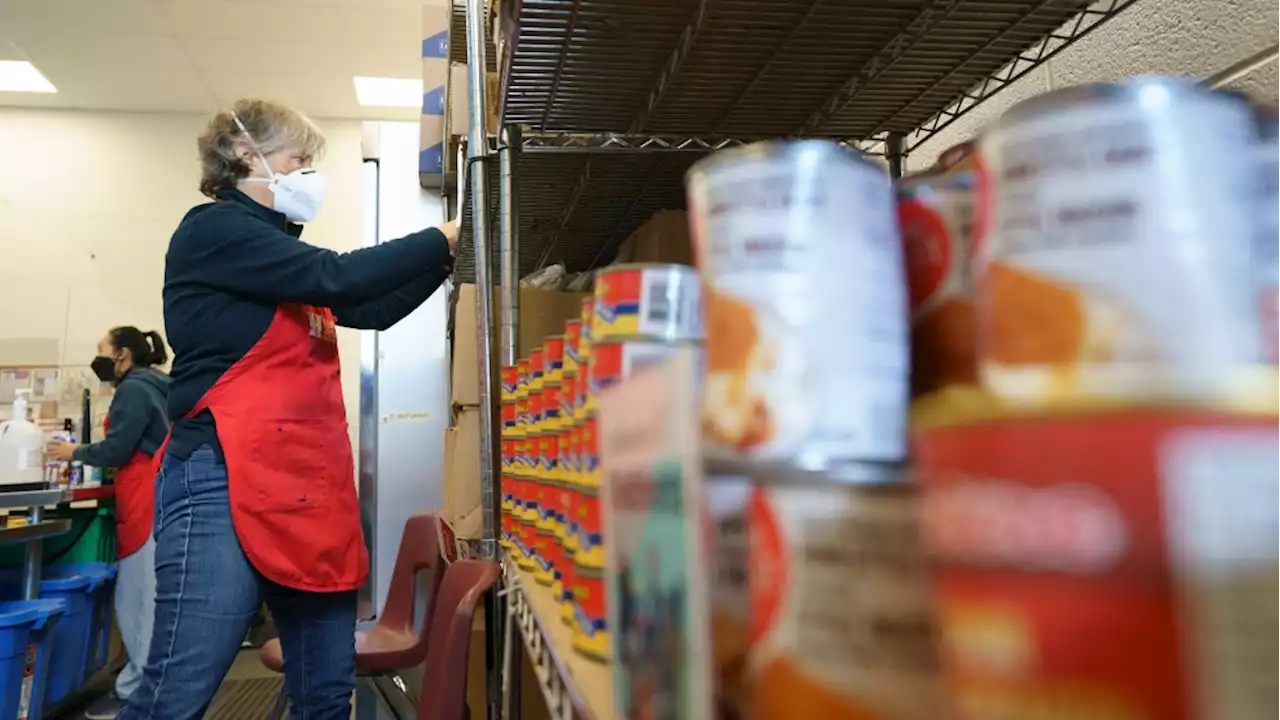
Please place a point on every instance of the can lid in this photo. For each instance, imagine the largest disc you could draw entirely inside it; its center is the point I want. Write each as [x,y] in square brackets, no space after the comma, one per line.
[776,148]
[1126,89]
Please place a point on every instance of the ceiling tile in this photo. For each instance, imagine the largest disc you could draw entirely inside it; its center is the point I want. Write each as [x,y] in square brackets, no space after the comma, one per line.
[135,17]
[316,95]
[280,22]
[337,58]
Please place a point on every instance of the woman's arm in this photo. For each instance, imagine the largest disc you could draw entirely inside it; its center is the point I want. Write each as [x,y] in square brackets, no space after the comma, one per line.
[393,307]
[225,248]
[129,416]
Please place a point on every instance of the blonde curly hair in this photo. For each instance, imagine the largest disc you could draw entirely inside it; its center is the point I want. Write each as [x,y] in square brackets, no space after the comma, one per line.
[271,127]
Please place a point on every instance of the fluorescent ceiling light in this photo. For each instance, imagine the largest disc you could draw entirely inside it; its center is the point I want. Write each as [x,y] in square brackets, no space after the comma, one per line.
[22,76]
[389,92]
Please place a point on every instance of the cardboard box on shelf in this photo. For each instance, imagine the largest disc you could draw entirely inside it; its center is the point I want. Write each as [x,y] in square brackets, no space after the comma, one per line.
[435,71]
[664,238]
[460,100]
[542,313]
[462,475]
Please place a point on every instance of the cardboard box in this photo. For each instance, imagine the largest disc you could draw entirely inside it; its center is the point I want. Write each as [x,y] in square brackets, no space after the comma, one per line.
[460,100]
[542,313]
[435,70]
[664,238]
[462,475]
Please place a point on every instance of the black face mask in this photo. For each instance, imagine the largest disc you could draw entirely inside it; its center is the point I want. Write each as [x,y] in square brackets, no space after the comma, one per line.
[104,367]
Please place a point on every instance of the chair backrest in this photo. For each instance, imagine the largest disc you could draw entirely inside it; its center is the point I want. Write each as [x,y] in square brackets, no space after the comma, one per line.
[419,551]
[444,678]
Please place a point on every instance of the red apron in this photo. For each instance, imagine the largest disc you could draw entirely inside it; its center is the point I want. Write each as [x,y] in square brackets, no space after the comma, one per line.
[135,484]
[282,425]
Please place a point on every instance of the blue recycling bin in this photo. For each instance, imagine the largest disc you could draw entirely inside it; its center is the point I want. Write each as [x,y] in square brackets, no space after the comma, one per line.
[101,600]
[35,671]
[71,639]
[16,621]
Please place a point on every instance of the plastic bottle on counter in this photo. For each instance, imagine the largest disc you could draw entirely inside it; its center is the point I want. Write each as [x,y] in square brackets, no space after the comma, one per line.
[21,449]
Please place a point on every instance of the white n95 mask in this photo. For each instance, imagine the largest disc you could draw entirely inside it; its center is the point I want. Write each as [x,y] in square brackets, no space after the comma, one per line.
[298,195]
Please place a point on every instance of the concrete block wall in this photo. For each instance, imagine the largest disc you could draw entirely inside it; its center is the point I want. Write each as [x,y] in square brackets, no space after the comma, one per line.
[1185,37]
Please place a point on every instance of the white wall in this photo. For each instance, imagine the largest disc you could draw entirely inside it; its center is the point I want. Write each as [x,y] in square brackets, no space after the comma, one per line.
[1187,37]
[87,204]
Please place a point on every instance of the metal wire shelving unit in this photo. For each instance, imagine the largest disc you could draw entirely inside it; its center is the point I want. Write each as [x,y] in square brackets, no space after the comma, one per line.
[606,103]
[612,79]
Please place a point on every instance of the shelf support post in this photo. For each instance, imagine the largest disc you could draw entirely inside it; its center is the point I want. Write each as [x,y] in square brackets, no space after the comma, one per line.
[477,152]
[894,153]
[509,242]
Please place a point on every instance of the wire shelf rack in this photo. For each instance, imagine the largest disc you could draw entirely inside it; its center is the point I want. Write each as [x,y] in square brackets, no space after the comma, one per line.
[621,85]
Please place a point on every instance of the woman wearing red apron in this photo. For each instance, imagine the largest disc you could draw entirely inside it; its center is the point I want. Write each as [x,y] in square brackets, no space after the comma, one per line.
[256,497]
[136,426]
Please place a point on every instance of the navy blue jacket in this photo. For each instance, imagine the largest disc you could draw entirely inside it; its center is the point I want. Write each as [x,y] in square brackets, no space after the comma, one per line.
[138,420]
[231,263]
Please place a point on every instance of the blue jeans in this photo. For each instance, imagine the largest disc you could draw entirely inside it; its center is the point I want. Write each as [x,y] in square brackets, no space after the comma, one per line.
[207,593]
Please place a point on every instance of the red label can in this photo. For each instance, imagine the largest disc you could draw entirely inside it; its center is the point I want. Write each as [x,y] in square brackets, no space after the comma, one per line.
[510,418]
[589,454]
[534,414]
[553,358]
[1106,565]
[572,341]
[510,381]
[551,393]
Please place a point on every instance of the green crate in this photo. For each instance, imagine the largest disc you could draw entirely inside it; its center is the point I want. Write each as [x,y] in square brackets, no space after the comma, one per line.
[92,539]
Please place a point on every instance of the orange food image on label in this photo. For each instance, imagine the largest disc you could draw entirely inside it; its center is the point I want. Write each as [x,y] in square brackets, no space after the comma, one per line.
[733,414]
[1030,319]
[783,690]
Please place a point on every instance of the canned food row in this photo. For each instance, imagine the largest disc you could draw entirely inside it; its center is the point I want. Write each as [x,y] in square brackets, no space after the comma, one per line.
[551,518]
[1107,242]
[1080,532]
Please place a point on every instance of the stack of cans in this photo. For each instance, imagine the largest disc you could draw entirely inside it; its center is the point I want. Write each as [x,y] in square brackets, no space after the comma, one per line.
[641,312]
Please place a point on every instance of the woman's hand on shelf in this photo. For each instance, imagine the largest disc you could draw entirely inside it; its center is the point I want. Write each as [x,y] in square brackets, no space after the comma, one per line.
[450,231]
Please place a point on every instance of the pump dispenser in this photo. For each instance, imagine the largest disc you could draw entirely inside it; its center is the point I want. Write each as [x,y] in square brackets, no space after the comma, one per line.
[21,449]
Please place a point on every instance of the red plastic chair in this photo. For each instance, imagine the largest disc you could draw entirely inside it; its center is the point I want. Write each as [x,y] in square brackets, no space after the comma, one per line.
[393,643]
[444,679]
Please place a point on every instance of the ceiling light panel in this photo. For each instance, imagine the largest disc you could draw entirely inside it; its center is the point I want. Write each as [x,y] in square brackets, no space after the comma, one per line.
[389,92]
[21,76]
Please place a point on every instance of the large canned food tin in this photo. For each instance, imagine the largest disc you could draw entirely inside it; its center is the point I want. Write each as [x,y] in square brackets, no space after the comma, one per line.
[935,212]
[727,494]
[1267,254]
[1106,565]
[805,306]
[657,301]
[1116,223]
[841,602]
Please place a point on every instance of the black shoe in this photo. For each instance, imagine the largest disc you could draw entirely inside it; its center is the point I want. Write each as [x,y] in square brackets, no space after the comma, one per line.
[104,708]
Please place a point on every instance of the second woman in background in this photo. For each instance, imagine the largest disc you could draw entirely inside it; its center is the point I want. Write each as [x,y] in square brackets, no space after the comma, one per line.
[136,426]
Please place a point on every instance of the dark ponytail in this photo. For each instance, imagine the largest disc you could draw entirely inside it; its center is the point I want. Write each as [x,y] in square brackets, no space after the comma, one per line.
[147,349]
